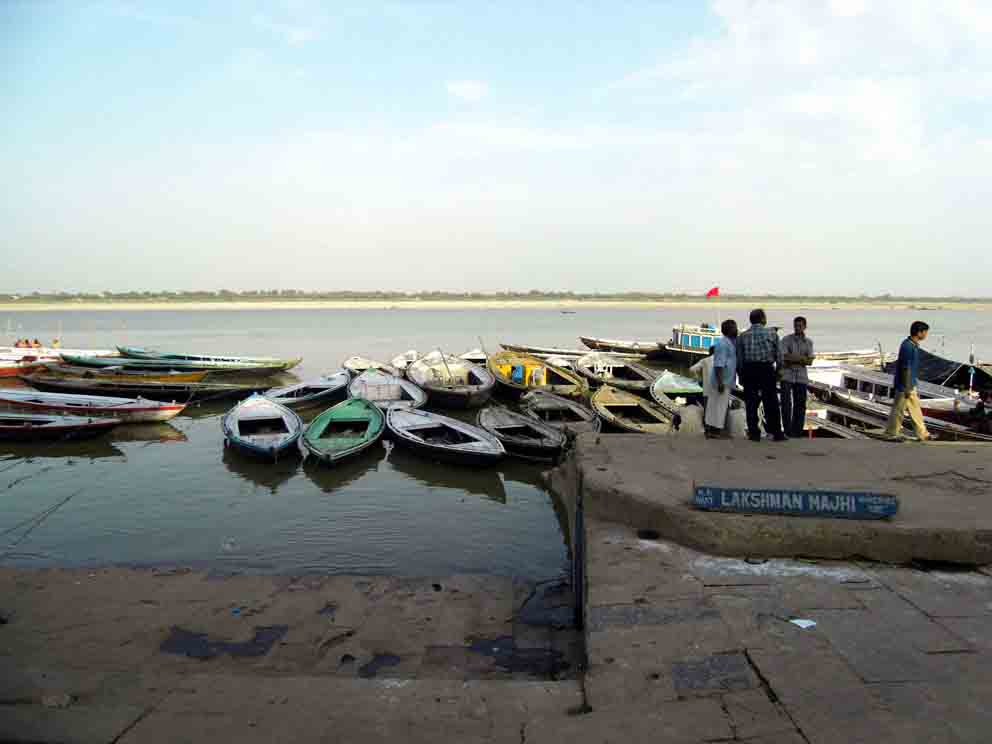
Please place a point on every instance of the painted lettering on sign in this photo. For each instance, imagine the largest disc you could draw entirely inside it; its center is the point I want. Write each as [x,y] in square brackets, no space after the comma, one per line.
[840,504]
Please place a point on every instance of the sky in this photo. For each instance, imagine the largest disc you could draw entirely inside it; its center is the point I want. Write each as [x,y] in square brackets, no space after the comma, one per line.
[807,147]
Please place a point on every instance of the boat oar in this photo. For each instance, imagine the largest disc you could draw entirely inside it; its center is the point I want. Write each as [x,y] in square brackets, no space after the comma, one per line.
[451,377]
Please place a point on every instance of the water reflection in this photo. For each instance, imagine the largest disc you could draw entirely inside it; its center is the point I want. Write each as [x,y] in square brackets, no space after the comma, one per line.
[263,473]
[486,482]
[160,432]
[83,449]
[329,478]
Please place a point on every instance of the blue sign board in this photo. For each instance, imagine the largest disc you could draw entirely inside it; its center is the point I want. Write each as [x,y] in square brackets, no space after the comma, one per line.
[836,504]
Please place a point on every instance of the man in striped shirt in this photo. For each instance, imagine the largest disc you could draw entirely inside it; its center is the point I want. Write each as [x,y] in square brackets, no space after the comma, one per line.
[757,360]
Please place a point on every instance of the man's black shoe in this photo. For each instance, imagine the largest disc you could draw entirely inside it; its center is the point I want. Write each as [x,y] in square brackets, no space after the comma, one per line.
[781,438]
[754,437]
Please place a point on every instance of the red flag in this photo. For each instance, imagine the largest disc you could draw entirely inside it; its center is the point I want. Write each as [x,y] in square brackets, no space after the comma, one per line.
[715,292]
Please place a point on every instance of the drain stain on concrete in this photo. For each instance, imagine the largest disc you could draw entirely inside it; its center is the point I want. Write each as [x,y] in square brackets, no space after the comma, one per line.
[201,646]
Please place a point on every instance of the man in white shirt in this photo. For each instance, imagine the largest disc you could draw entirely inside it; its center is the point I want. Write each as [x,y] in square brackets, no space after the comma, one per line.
[795,355]
[719,374]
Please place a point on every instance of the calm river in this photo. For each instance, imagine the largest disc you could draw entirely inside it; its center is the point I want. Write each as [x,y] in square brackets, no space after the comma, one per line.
[170,494]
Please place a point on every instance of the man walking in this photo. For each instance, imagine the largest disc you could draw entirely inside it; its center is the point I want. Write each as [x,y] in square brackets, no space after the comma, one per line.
[904,385]
[719,371]
[795,355]
[757,356]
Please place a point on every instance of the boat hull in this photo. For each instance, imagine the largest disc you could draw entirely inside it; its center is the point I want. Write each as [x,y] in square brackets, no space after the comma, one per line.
[546,448]
[136,414]
[169,392]
[259,408]
[78,429]
[485,450]
[367,413]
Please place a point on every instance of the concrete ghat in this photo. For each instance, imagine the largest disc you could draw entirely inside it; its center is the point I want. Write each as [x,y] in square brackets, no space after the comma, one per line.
[945,494]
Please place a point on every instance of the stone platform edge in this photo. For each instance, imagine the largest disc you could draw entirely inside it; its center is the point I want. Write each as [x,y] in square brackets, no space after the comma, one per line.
[601,496]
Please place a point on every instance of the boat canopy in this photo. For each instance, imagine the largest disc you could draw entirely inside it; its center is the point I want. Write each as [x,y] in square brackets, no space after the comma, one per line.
[941,371]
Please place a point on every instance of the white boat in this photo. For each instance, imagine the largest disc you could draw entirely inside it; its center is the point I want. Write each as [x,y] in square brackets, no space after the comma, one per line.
[49,353]
[404,360]
[262,427]
[125,410]
[936,401]
[386,390]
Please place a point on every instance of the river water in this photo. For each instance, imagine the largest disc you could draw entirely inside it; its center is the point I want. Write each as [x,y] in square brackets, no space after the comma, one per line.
[170,494]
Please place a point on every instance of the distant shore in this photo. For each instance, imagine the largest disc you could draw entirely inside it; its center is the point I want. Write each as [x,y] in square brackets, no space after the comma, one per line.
[487,304]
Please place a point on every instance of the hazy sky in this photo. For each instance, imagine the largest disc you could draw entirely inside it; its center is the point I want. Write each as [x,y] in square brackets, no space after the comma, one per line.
[841,146]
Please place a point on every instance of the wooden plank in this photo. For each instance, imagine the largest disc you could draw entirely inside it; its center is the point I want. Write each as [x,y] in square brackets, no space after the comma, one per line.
[796,502]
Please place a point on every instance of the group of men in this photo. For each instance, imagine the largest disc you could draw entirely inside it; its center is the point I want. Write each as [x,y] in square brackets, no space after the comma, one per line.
[773,375]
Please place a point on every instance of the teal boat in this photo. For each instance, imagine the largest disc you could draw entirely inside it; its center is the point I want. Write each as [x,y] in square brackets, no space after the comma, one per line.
[344,430]
[210,361]
[164,365]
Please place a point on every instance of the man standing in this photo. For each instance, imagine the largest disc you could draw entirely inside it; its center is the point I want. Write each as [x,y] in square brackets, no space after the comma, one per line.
[757,356]
[795,355]
[719,371]
[904,385]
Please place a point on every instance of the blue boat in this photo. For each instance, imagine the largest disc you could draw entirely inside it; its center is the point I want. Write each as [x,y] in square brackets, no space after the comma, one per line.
[261,427]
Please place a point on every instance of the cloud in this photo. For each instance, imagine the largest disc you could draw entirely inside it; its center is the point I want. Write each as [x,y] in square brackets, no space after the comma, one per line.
[291,33]
[467,90]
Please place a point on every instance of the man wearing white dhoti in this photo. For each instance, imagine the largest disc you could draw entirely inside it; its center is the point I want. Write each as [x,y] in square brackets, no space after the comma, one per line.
[720,381]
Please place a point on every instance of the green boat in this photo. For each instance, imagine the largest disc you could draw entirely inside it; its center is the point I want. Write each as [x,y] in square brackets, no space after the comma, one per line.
[213,360]
[162,365]
[344,430]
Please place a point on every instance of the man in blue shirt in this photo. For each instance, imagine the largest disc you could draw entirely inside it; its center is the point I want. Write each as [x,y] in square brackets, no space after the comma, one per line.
[907,399]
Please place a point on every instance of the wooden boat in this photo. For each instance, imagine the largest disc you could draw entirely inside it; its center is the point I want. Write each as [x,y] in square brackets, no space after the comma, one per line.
[518,373]
[119,374]
[321,391]
[452,382]
[546,352]
[262,427]
[344,430]
[674,386]
[562,413]
[11,368]
[404,360]
[164,365]
[936,401]
[47,353]
[33,426]
[649,349]
[879,411]
[358,364]
[211,361]
[386,390]
[167,391]
[522,435]
[443,438]
[632,413]
[602,368]
[127,410]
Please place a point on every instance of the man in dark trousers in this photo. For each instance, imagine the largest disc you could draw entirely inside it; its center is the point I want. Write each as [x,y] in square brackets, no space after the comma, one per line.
[757,358]
[796,352]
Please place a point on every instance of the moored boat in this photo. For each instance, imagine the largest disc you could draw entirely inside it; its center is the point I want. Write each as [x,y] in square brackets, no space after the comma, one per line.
[261,427]
[118,374]
[210,361]
[570,416]
[452,382]
[690,343]
[519,373]
[404,360]
[16,368]
[522,435]
[632,413]
[26,427]
[167,391]
[476,356]
[344,430]
[603,368]
[443,438]
[127,410]
[215,366]
[547,352]
[321,391]
[386,390]
[356,365]
[649,349]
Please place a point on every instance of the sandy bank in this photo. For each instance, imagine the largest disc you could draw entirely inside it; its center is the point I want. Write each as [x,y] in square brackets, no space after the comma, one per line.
[549,305]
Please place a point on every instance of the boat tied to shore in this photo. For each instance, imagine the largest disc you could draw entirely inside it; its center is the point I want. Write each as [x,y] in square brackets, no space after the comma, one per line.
[261,427]
[518,373]
[452,382]
[522,435]
[633,413]
[604,368]
[344,430]
[324,390]
[443,438]
[566,414]
[27,427]
[386,390]
[127,410]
